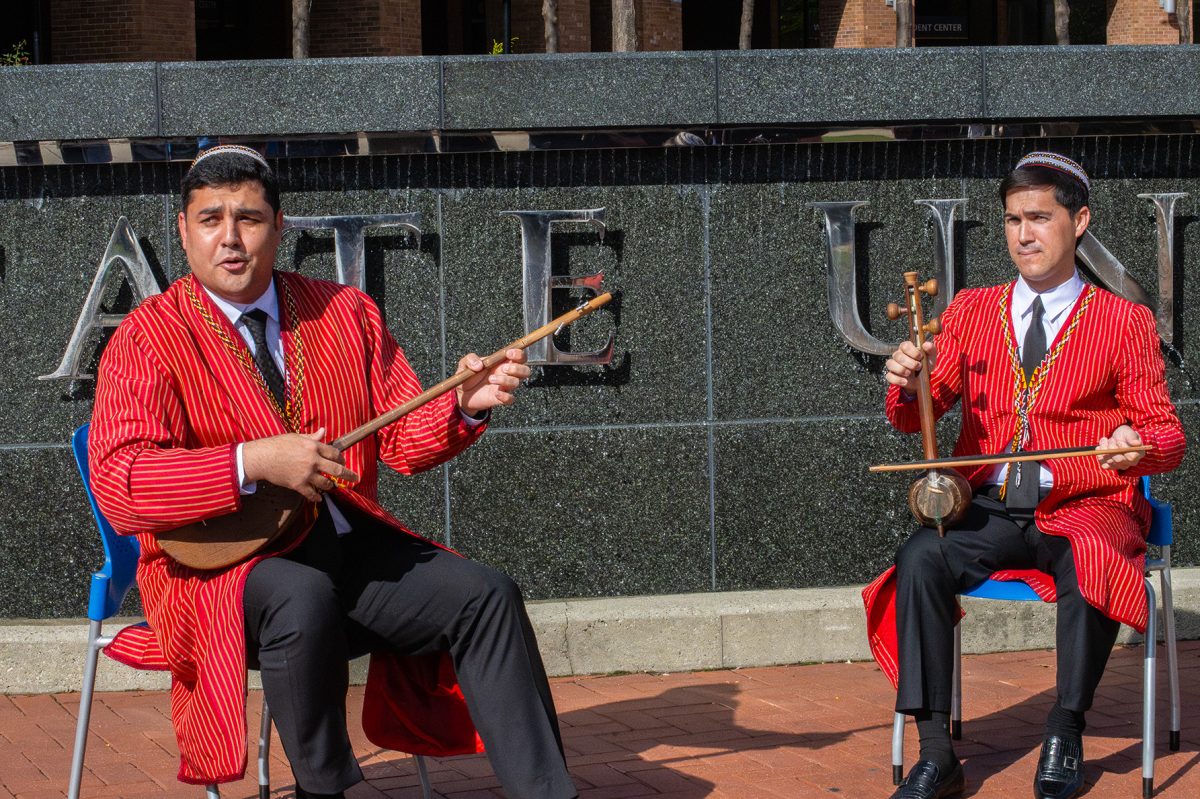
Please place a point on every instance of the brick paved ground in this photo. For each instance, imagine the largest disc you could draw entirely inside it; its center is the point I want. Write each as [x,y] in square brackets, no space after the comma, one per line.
[793,731]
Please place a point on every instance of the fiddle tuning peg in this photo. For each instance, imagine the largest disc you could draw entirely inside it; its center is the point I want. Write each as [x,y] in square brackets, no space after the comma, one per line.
[893,311]
[933,326]
[930,287]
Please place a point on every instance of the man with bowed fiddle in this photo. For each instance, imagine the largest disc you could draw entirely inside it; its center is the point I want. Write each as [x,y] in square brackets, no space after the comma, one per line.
[1045,361]
[236,374]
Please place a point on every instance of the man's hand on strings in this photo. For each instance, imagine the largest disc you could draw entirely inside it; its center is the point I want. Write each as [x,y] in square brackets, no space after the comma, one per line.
[906,362]
[1123,436]
[299,461]
[491,387]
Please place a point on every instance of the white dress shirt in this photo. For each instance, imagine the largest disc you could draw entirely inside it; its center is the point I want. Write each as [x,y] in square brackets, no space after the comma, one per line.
[1056,302]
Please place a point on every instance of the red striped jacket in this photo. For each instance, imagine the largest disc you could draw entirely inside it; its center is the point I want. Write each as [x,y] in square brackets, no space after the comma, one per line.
[172,402]
[1109,372]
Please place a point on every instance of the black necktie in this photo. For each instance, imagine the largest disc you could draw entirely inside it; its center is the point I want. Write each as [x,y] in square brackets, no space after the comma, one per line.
[1023,485]
[1034,348]
[256,323]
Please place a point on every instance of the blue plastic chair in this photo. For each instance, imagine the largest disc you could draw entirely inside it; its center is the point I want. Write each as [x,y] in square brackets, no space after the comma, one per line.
[107,591]
[1161,535]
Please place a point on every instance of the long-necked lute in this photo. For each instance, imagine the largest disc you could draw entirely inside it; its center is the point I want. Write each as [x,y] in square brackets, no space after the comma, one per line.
[273,513]
[941,497]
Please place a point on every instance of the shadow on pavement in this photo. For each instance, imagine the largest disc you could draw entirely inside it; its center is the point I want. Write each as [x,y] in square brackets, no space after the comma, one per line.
[1000,739]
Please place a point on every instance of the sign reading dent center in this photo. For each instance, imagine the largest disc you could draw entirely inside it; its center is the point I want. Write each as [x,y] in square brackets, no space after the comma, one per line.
[942,29]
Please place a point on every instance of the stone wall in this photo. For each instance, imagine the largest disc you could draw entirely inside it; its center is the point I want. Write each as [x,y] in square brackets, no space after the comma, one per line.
[726,446]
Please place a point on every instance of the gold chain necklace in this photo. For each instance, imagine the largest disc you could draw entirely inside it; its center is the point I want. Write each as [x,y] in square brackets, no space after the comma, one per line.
[292,410]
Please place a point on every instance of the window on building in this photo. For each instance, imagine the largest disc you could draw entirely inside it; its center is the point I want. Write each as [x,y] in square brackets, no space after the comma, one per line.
[798,24]
[234,30]
[455,27]
[955,23]
[1030,22]
[601,23]
[777,23]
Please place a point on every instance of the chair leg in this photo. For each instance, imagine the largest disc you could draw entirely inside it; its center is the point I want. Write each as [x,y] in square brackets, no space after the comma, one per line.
[264,752]
[1148,683]
[212,792]
[85,708]
[1168,604]
[956,687]
[897,749]
[424,774]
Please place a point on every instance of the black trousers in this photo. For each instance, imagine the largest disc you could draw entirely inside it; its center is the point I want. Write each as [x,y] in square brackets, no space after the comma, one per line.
[337,597]
[931,571]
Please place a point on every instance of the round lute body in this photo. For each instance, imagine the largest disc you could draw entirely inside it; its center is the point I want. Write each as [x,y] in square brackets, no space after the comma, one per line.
[273,514]
[941,497]
[266,515]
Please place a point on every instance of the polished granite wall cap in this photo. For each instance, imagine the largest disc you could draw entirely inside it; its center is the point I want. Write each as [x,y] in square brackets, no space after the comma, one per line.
[78,101]
[1120,81]
[577,90]
[841,87]
[872,85]
[321,95]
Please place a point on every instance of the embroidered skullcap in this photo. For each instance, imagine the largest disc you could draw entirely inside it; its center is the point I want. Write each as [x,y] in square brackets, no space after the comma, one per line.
[1057,162]
[230,149]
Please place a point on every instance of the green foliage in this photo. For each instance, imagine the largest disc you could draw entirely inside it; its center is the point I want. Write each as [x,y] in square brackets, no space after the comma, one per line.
[16,56]
[498,46]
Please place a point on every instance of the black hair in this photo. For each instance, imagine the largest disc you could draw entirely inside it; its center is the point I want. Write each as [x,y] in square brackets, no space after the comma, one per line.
[230,169]
[1068,191]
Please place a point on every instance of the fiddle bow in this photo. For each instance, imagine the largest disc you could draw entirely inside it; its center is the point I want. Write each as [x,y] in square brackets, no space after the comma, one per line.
[273,513]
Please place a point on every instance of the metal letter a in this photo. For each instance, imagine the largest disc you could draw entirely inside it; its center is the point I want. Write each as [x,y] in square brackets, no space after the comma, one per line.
[124,251]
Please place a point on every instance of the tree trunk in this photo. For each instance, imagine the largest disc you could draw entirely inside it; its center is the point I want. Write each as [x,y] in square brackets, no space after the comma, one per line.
[1183,13]
[300,9]
[904,23]
[1062,22]
[624,27]
[747,24]
[550,18]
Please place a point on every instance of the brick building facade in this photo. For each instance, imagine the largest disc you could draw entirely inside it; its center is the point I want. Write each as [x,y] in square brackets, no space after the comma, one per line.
[574,26]
[872,23]
[586,25]
[1142,22]
[857,23]
[660,24]
[348,28]
[170,30]
[89,31]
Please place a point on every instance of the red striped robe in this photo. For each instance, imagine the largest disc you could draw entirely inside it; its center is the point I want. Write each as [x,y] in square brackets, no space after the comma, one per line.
[172,402]
[1109,373]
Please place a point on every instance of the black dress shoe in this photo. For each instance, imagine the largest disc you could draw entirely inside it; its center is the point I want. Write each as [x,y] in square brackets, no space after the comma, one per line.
[1060,768]
[925,782]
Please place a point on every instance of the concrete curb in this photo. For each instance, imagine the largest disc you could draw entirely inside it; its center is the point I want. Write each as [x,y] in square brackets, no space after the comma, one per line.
[683,632]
